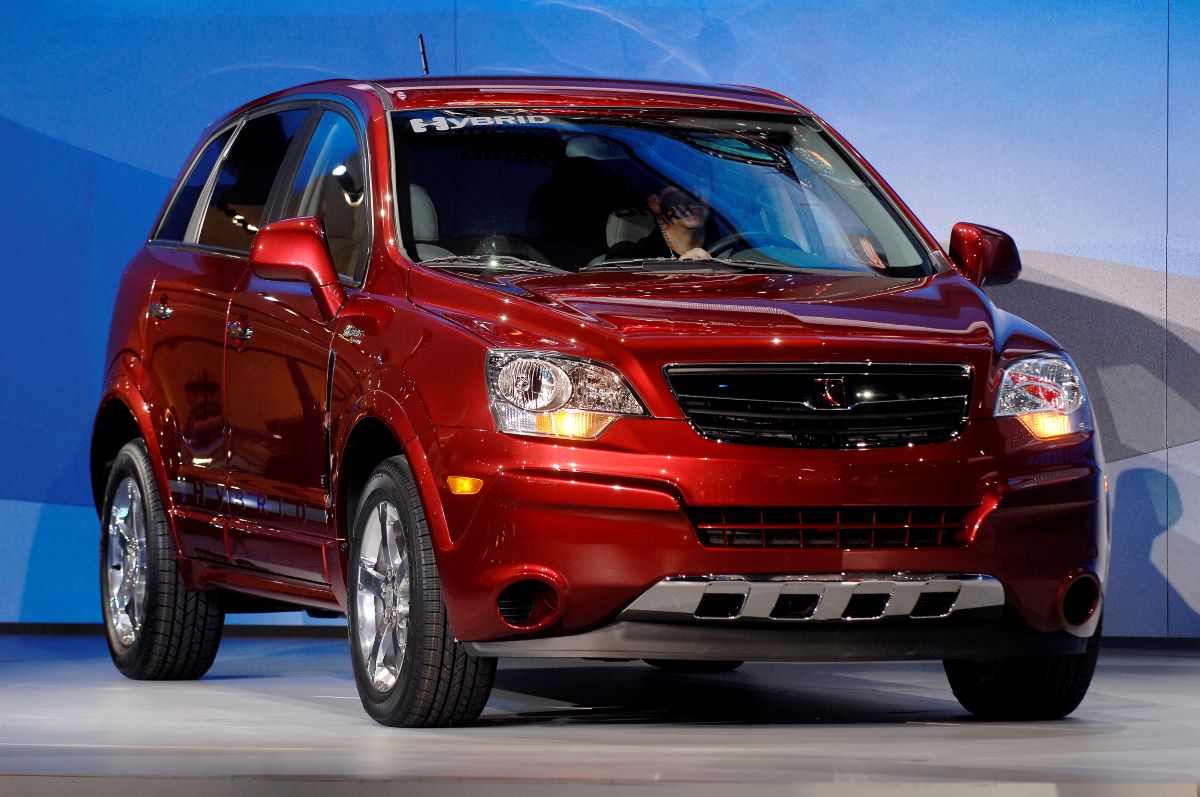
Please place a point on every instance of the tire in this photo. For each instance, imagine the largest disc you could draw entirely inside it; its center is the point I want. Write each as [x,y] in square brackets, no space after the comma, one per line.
[409,669]
[157,629]
[1032,688]
[693,666]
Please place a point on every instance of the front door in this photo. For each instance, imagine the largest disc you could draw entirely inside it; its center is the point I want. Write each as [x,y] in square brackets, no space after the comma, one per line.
[277,376]
[276,381]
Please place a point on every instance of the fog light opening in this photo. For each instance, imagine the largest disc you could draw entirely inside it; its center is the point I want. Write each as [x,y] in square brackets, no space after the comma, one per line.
[528,603]
[1080,600]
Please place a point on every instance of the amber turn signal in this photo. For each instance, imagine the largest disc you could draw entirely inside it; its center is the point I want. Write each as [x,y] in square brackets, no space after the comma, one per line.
[464,485]
[1047,425]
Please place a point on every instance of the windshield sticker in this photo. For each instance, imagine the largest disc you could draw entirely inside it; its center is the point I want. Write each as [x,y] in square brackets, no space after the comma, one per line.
[459,122]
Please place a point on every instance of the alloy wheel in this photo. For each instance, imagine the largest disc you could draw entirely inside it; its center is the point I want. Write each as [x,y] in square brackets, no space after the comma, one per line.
[125,573]
[384,588]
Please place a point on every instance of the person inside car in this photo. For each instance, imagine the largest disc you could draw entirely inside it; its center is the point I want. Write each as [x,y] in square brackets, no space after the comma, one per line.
[681,225]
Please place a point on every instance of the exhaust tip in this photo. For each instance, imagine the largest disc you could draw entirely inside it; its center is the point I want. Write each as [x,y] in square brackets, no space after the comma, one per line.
[1080,598]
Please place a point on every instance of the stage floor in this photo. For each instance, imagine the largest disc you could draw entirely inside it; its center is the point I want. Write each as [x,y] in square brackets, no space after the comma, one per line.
[279,710]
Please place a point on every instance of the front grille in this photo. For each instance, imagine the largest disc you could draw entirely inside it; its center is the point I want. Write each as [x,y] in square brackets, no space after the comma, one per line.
[830,527]
[824,405]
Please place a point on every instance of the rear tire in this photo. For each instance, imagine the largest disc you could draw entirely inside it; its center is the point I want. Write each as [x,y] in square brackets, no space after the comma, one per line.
[157,629]
[684,666]
[409,669]
[1026,688]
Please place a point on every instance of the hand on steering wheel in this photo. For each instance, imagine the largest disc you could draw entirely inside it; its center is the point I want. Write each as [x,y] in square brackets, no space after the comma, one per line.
[729,244]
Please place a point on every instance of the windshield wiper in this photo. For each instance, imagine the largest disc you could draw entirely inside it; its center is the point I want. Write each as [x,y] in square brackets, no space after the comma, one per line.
[492,263]
[635,264]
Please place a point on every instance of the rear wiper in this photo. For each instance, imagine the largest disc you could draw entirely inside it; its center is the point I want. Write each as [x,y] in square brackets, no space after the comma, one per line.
[492,263]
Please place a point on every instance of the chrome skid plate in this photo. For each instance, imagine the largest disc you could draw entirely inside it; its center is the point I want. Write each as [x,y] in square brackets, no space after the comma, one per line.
[814,598]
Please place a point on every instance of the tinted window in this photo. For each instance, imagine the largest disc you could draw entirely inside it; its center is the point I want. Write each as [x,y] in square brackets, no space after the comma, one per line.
[175,223]
[243,185]
[329,184]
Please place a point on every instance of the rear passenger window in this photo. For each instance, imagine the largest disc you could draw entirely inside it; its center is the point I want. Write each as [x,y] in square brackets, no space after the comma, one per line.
[239,198]
[329,184]
[175,223]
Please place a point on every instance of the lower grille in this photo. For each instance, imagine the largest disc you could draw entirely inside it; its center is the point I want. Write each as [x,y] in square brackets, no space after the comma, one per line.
[830,527]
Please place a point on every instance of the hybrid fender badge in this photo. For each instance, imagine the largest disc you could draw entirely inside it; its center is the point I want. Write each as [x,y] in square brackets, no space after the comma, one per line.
[444,123]
[830,394]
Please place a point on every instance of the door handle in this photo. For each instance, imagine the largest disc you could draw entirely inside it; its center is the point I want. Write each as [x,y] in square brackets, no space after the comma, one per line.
[160,310]
[239,330]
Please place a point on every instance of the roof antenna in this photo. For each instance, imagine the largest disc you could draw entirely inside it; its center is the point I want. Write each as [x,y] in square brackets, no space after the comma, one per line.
[424,60]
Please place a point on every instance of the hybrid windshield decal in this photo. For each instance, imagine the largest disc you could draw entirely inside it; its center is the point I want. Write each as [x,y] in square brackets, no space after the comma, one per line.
[456,123]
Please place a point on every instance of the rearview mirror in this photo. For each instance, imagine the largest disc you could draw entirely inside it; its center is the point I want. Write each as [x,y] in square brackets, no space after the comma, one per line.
[295,250]
[985,256]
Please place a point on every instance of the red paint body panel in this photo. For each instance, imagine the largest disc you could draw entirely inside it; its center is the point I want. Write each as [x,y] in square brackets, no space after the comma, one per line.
[184,360]
[600,520]
[276,401]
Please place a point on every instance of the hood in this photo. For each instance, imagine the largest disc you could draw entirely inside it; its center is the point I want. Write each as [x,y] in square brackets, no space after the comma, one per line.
[944,307]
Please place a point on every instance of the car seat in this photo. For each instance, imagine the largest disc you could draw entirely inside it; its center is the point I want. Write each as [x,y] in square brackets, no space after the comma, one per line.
[425,224]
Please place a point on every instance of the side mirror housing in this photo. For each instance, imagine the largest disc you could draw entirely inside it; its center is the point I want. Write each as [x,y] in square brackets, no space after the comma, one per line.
[985,256]
[295,250]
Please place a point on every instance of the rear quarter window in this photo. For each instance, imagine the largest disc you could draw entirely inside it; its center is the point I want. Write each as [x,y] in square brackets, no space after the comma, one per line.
[175,223]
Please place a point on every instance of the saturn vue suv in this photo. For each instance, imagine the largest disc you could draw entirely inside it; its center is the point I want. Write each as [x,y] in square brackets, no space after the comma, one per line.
[503,367]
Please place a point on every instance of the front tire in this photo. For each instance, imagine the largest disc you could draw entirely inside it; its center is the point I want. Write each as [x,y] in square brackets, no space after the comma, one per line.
[1024,688]
[409,669]
[157,629]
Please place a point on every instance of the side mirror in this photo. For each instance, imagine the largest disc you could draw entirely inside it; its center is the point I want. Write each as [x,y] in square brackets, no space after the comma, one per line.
[986,256]
[295,250]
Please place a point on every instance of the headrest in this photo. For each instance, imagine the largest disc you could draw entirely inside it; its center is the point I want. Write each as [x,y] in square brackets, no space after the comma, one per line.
[629,224]
[424,214]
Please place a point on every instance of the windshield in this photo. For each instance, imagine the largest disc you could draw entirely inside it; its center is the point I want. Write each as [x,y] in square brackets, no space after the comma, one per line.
[610,190]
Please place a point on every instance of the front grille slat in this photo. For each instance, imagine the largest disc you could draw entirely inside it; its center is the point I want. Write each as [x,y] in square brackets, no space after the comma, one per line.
[850,528]
[824,405]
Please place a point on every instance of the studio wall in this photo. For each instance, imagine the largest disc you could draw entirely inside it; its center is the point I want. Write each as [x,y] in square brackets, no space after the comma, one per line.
[1072,126]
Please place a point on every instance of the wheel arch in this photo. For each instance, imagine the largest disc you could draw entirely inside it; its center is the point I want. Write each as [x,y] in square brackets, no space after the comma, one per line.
[113,428]
[377,429]
[123,415]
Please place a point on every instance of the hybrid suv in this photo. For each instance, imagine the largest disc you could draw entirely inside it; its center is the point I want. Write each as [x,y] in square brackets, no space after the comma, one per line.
[585,368]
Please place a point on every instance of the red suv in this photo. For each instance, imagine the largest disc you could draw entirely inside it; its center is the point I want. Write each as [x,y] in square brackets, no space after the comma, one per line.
[582,368]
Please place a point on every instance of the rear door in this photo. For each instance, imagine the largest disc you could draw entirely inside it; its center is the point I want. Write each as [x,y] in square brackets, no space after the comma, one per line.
[201,252]
[277,373]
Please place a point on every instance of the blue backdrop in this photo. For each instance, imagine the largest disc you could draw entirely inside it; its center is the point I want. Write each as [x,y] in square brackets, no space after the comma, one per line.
[1068,126]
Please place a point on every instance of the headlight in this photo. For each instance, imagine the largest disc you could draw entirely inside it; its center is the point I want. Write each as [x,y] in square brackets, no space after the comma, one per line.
[556,395]
[1046,394]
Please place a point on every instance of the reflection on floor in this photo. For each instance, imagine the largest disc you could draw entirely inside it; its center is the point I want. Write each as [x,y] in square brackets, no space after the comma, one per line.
[287,707]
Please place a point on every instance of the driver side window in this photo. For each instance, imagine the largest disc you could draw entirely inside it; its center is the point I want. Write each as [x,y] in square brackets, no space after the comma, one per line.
[330,185]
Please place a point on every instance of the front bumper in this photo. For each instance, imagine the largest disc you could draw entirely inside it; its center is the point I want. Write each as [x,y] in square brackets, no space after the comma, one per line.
[630,639]
[602,522]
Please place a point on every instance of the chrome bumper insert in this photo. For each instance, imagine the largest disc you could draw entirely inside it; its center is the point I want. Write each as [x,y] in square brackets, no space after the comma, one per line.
[814,598]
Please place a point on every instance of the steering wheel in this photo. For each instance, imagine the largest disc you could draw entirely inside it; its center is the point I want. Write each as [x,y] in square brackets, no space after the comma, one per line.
[740,242]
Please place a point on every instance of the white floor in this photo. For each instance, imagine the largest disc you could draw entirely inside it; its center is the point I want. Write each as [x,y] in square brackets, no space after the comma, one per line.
[284,711]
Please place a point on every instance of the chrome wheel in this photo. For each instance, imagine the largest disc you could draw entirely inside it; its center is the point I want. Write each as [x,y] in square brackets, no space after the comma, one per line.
[125,573]
[384,585]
